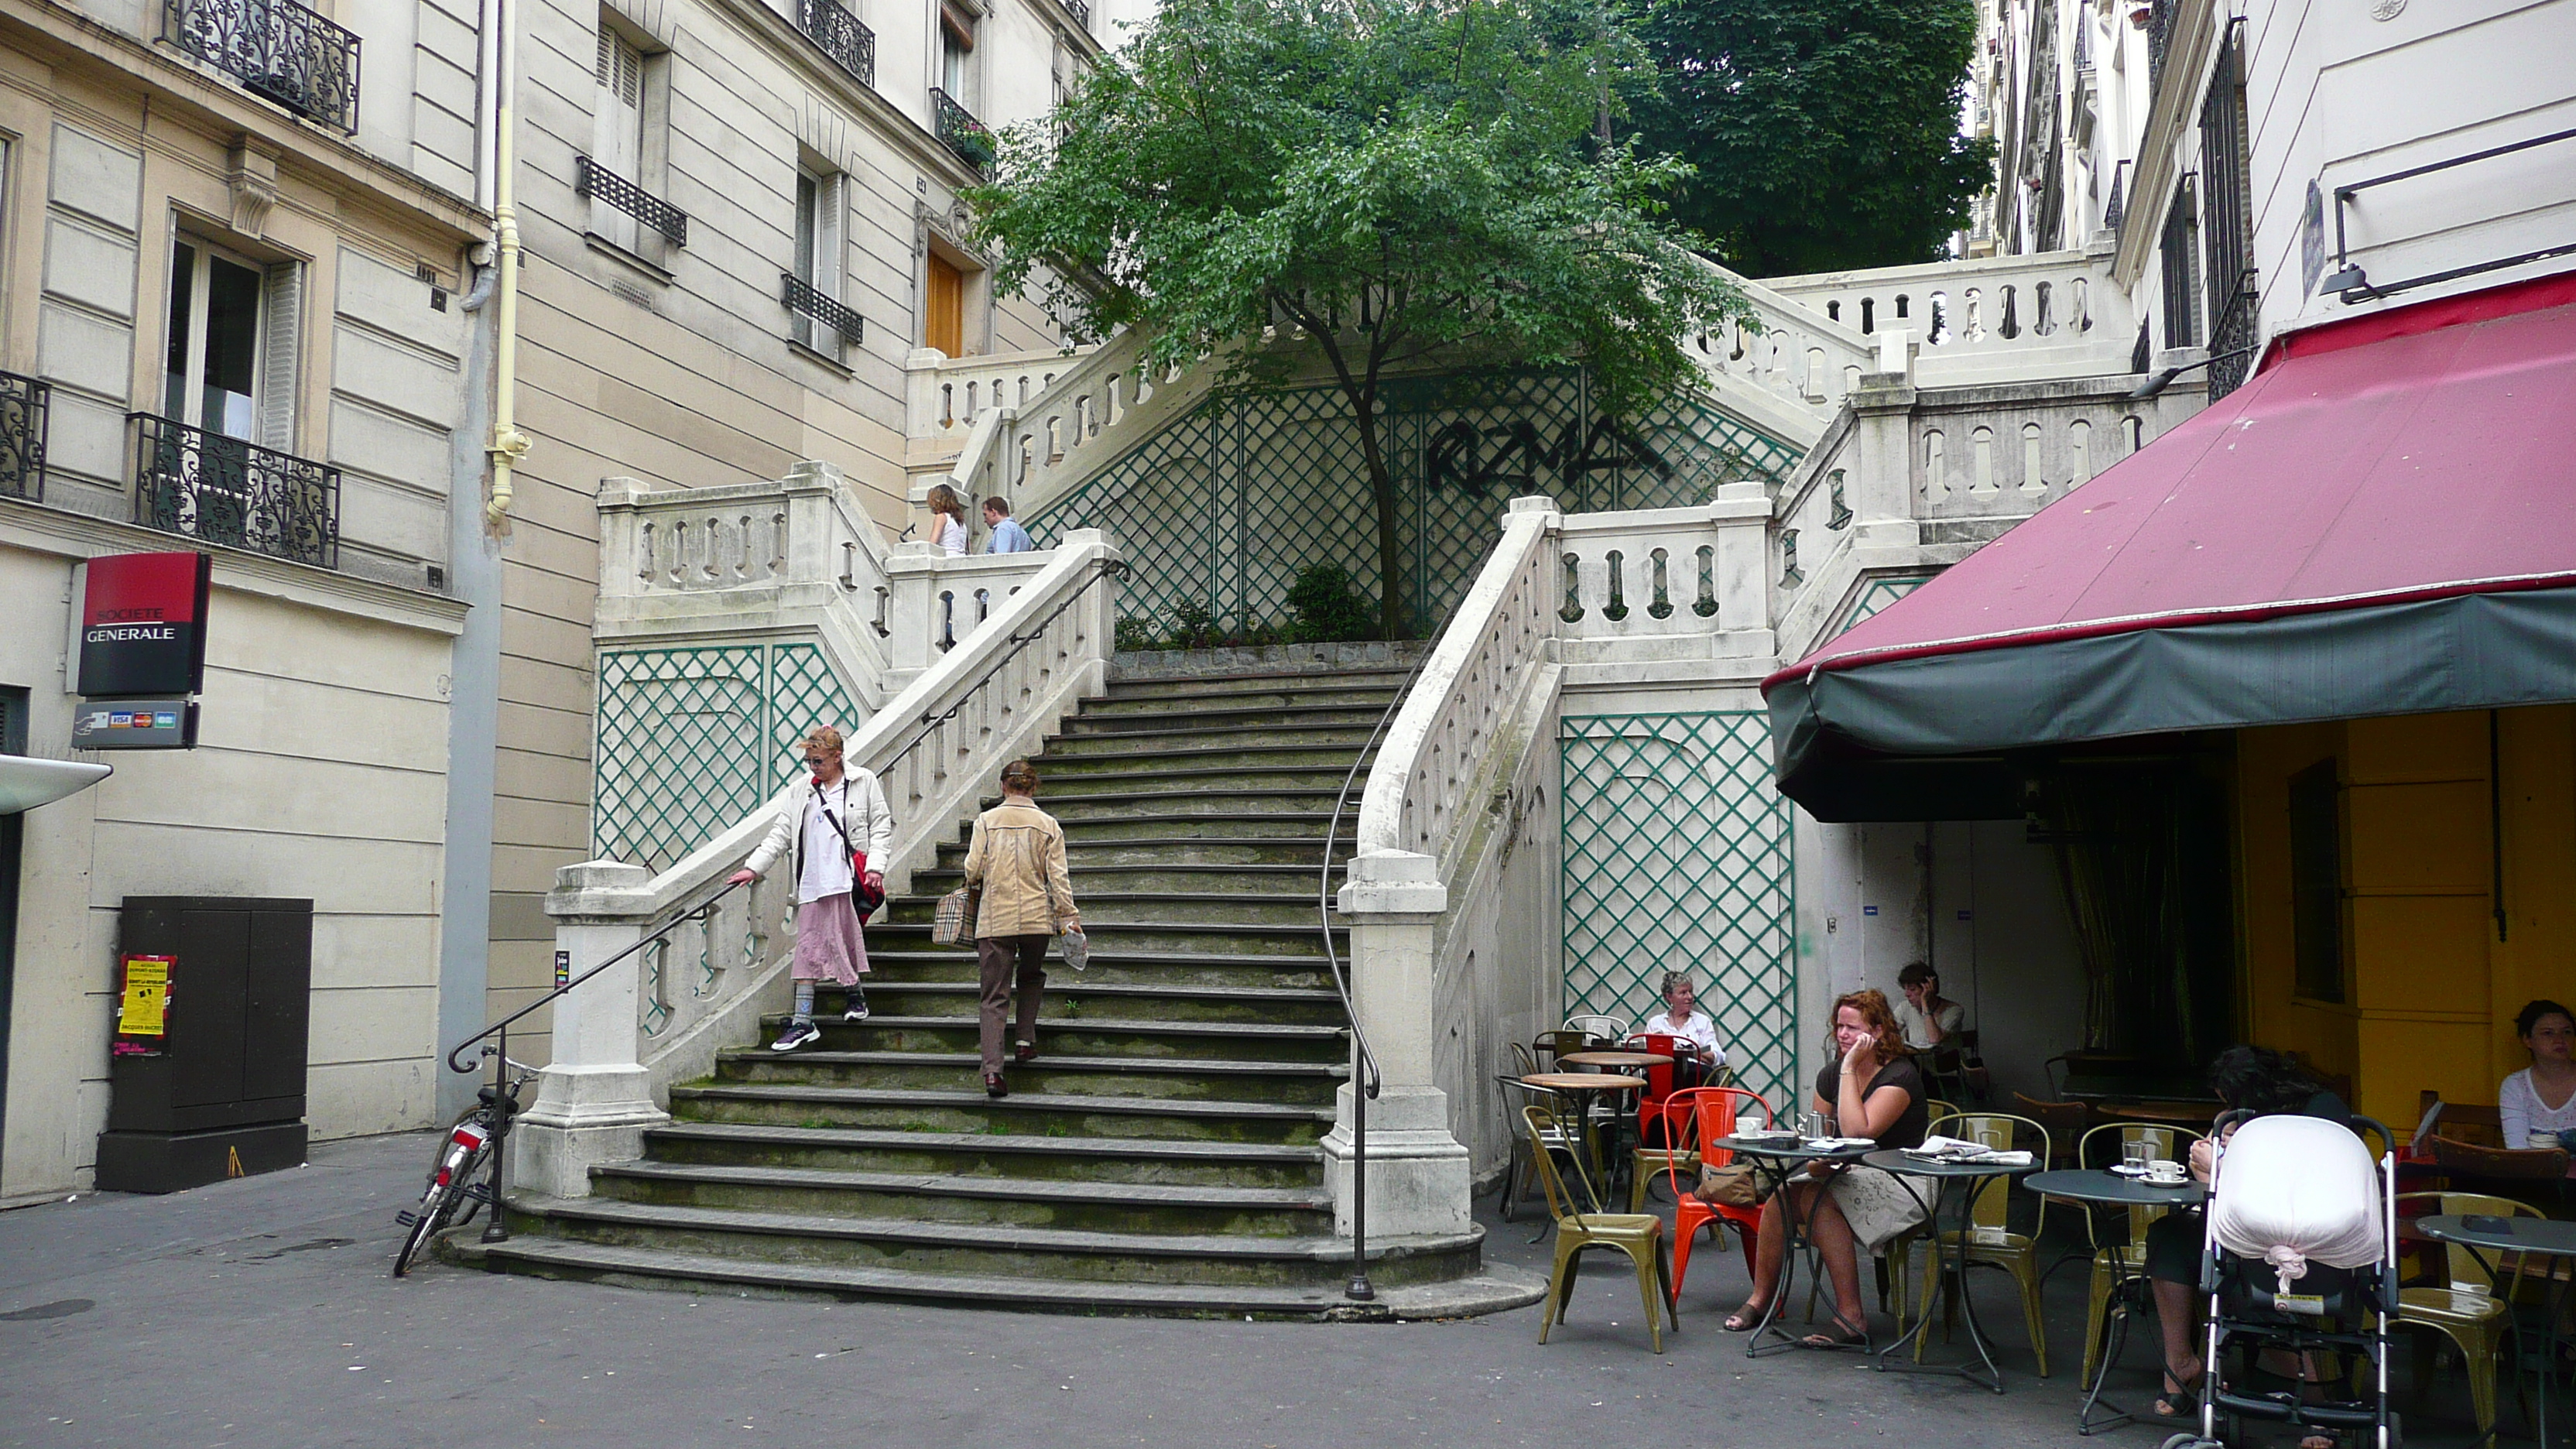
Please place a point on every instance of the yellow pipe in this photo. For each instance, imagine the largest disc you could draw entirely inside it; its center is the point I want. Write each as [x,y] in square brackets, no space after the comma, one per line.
[509,445]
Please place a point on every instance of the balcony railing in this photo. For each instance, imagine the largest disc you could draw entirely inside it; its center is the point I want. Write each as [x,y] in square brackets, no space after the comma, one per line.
[838,34]
[206,486]
[589,178]
[25,406]
[2160,22]
[2232,339]
[1080,10]
[960,132]
[801,297]
[278,49]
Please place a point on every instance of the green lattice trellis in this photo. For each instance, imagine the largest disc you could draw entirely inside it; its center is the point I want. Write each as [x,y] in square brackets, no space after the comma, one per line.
[1222,508]
[1877,594]
[1677,855]
[691,740]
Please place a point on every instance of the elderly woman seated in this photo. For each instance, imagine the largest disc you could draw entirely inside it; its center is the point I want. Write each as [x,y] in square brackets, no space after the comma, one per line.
[1873,1089]
[1698,1051]
[2246,1079]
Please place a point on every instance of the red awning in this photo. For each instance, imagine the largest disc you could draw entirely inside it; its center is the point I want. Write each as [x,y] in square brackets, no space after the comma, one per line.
[2371,471]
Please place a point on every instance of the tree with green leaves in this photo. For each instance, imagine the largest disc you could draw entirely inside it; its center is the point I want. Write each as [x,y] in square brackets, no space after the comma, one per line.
[1381,185]
[1824,133]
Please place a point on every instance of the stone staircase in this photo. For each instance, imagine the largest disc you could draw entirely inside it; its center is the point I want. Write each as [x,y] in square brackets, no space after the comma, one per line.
[1160,1156]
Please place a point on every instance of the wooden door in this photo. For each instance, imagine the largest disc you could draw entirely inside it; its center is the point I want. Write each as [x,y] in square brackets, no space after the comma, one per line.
[943,313]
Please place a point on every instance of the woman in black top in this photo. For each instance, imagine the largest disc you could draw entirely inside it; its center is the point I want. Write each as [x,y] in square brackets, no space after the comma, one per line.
[1872,1089]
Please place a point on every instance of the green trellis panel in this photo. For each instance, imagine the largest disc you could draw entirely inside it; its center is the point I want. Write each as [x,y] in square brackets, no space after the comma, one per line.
[1677,855]
[1877,594]
[691,740]
[1221,509]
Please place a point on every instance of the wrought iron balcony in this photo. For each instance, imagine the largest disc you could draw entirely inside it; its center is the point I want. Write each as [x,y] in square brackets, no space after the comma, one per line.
[25,406]
[277,48]
[960,132]
[838,34]
[1081,12]
[2160,21]
[589,178]
[2232,339]
[206,486]
[801,297]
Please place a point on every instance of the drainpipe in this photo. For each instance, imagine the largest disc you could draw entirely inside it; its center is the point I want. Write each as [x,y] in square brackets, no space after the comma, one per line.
[509,445]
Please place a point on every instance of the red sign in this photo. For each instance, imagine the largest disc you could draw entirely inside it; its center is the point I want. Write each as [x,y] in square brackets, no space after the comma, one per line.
[143,621]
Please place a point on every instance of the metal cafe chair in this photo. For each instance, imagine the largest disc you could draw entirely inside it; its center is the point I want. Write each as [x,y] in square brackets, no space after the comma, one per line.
[1578,1227]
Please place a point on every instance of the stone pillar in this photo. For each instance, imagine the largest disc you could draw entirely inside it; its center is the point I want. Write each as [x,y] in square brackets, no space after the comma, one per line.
[912,571]
[1418,1172]
[595,1100]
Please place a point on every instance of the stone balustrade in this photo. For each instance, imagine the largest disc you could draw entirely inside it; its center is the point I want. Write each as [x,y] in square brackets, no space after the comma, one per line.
[943,395]
[1995,319]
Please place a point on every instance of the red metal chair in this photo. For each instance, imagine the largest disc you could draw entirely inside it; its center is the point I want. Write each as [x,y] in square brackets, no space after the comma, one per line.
[1714,1111]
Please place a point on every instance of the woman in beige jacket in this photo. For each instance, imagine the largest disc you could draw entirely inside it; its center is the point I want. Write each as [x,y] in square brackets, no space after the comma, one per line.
[1017,856]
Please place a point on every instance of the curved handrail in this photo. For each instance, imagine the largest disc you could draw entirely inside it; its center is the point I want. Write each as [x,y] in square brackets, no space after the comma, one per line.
[1373,1081]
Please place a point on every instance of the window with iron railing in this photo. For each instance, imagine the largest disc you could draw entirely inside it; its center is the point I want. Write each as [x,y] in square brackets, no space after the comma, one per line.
[802,299]
[26,405]
[277,49]
[1080,10]
[590,179]
[216,489]
[960,132]
[2226,221]
[838,34]
[2160,22]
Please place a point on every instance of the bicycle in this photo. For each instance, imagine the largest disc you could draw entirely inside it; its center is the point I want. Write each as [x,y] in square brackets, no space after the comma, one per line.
[452,1196]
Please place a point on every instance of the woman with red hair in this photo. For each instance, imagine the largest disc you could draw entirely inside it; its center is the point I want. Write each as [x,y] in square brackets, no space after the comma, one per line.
[1871,1088]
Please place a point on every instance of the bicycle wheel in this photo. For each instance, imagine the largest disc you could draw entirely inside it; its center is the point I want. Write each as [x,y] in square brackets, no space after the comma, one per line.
[434,1209]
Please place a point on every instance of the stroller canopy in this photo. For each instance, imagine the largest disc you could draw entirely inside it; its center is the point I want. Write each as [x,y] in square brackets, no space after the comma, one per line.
[2291,1190]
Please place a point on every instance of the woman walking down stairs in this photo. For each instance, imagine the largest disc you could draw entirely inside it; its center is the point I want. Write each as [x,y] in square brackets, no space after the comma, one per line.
[1160,1152]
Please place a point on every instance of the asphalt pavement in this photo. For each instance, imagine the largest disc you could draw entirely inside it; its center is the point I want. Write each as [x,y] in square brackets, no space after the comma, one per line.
[261,1312]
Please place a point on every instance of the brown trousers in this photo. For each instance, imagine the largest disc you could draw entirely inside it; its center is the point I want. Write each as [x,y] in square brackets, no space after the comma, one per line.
[996,955]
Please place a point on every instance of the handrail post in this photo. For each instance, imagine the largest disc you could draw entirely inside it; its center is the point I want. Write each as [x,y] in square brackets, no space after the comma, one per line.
[594,1099]
[496,1228]
[1415,1169]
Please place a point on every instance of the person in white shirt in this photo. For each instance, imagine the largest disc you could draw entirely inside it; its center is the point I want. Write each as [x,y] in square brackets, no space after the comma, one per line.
[2523,1106]
[1680,1018]
[835,828]
[1929,1019]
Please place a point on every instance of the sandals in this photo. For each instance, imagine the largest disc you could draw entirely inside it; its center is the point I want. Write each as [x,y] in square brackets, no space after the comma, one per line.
[1844,1335]
[1745,1319]
[2178,1401]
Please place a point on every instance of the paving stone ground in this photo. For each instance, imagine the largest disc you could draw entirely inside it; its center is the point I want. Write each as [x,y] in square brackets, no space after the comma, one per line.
[260,1313]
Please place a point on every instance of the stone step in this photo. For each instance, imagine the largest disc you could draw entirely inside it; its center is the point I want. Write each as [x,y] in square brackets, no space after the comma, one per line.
[988,1154]
[1103,1037]
[1141,879]
[1294,688]
[1029,1202]
[1073,772]
[1161,1079]
[1303,852]
[1076,999]
[1271,732]
[1155,964]
[796,1104]
[1002,1251]
[1233,805]
[1151,822]
[553,1257]
[1221,723]
[1233,707]
[1110,912]
[1132,778]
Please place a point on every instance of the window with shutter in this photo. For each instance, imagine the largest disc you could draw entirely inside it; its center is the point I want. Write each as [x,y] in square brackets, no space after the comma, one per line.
[220,321]
[617,121]
[279,354]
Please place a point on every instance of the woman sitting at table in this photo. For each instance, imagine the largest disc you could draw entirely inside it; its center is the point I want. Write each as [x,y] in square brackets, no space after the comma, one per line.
[2524,1105]
[1698,1053]
[2246,1079]
[1873,1089]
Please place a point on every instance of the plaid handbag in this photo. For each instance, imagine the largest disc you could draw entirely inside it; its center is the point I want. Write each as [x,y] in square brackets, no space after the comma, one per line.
[953,923]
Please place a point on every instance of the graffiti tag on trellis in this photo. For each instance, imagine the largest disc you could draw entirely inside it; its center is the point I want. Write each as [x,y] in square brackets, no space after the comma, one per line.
[1455,456]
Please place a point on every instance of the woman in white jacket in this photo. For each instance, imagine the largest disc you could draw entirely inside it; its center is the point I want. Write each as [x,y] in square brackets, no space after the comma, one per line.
[835,828]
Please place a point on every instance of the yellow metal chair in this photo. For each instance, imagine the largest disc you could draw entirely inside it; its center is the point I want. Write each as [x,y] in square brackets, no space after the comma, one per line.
[2113,1262]
[1639,1235]
[1988,1240]
[2468,1309]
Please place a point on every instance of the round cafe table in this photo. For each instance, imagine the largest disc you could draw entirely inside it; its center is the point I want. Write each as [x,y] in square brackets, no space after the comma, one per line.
[1949,1251]
[2537,1237]
[1776,1160]
[1630,1060]
[2112,1189]
[1576,1085]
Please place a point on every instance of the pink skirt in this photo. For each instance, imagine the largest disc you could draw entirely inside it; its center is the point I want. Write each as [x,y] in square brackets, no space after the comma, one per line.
[828,944]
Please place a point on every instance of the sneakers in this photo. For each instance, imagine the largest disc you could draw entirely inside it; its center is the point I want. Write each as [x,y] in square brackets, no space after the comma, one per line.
[799,1032]
[855,1005]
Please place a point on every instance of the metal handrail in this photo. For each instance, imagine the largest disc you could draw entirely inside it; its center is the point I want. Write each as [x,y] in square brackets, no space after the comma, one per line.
[1368,1080]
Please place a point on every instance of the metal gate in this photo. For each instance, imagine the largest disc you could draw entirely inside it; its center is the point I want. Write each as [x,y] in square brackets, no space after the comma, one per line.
[1677,856]
[692,740]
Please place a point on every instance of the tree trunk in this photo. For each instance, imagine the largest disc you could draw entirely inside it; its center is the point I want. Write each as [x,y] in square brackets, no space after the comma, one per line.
[1393,616]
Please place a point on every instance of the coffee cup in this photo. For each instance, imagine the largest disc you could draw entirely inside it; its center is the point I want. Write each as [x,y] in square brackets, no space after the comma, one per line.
[2166,1172]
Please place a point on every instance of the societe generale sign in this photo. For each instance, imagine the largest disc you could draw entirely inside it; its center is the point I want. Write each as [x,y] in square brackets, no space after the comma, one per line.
[143,624]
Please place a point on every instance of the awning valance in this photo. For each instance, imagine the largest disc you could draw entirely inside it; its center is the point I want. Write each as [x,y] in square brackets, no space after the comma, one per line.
[2382,521]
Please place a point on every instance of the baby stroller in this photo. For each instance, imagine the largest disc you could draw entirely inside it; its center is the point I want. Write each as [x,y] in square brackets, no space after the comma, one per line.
[2299,1255]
